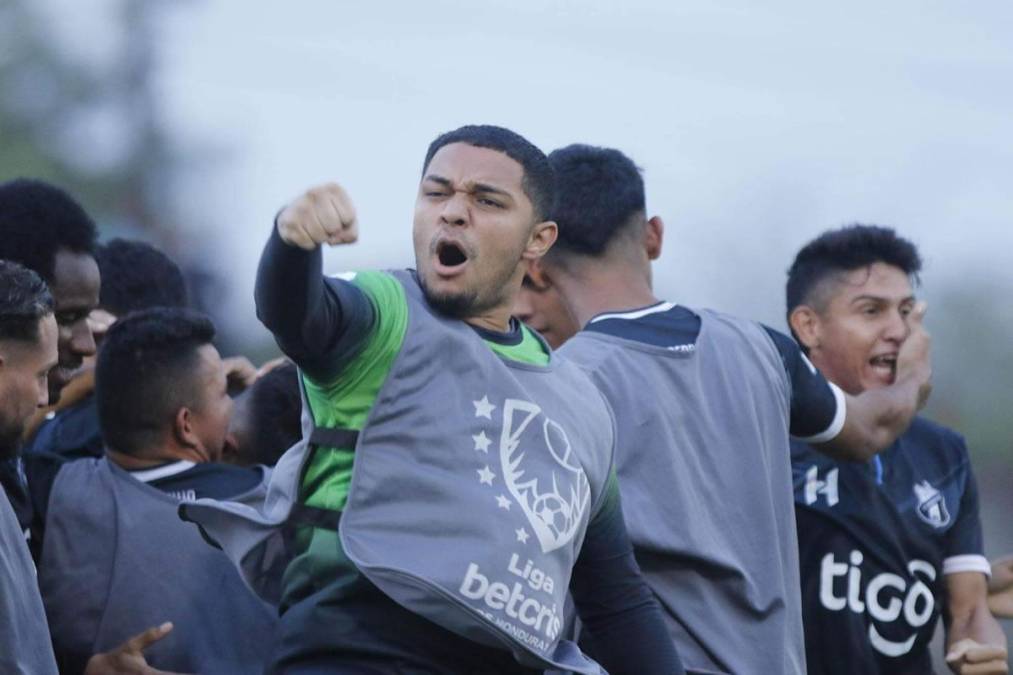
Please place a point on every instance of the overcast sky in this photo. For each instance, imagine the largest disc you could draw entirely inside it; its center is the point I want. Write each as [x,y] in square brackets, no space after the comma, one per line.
[757,125]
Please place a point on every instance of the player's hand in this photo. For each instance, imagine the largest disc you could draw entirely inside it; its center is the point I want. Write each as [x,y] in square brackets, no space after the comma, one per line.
[1000,588]
[239,373]
[323,215]
[128,658]
[968,657]
[914,356]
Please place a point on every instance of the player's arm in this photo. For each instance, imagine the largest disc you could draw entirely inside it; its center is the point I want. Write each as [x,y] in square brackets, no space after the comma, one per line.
[614,603]
[975,643]
[319,323]
[856,427]
[1000,588]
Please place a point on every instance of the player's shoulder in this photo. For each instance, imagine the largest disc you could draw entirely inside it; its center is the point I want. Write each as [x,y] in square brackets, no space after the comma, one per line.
[931,439]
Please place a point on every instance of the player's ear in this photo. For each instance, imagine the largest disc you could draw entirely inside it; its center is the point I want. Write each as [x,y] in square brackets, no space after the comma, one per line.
[183,428]
[543,236]
[654,234]
[805,324]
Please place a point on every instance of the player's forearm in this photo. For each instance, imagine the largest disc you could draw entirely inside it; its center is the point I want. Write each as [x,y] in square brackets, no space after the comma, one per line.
[876,417]
[292,301]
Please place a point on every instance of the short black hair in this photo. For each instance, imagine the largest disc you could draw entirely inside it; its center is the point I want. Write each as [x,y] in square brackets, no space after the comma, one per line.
[146,372]
[275,409]
[539,183]
[844,250]
[37,220]
[24,300]
[598,191]
[136,275]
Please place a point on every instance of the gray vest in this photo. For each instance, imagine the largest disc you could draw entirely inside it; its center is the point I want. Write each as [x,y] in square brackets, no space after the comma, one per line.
[705,476]
[117,560]
[25,647]
[473,483]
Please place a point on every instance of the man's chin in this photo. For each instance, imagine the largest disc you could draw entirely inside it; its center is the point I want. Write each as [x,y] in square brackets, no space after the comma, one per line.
[458,304]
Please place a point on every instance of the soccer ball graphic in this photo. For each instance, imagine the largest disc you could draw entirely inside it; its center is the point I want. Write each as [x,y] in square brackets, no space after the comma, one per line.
[552,510]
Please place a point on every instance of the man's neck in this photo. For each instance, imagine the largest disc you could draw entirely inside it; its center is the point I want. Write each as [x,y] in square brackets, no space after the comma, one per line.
[590,293]
[155,456]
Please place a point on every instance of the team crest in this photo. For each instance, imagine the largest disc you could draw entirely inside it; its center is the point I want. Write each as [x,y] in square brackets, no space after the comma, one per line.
[555,502]
[931,505]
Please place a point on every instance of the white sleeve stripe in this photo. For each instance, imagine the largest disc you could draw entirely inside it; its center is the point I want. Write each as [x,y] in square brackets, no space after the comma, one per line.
[967,563]
[836,424]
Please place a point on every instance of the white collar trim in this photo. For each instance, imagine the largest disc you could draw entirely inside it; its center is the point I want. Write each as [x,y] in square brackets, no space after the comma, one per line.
[159,472]
[637,313]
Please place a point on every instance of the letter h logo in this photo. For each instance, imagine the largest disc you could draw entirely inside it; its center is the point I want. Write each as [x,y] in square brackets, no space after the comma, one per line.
[814,487]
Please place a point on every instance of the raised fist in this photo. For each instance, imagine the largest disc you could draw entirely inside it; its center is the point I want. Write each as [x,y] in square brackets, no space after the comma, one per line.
[323,215]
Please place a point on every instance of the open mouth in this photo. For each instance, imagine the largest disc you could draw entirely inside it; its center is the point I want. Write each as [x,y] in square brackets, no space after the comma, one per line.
[884,364]
[450,254]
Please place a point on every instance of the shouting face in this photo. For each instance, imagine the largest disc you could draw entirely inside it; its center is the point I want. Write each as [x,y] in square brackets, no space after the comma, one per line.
[474,229]
[861,327]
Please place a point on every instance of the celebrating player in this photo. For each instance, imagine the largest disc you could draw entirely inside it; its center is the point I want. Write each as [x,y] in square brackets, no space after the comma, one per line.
[885,544]
[704,405]
[469,467]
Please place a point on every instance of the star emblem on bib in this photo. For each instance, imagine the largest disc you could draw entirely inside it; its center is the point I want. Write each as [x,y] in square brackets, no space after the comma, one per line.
[482,442]
[522,535]
[503,502]
[483,408]
[485,475]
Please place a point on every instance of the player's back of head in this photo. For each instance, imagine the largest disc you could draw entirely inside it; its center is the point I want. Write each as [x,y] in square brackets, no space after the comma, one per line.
[136,275]
[148,369]
[538,182]
[267,418]
[599,197]
[37,220]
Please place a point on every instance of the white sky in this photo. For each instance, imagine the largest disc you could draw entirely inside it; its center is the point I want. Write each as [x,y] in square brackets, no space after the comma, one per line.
[757,126]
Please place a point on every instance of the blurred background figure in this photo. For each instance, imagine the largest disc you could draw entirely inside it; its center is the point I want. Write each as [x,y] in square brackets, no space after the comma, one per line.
[161,395]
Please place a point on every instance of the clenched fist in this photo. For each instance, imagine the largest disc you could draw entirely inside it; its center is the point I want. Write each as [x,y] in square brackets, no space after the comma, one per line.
[323,215]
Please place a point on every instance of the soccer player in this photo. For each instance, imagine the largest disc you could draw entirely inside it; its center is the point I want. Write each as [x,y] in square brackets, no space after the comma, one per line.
[469,466]
[888,543]
[44,229]
[164,411]
[28,351]
[704,404]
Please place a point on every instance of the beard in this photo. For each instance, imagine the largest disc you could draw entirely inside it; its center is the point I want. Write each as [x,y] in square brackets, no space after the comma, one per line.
[10,439]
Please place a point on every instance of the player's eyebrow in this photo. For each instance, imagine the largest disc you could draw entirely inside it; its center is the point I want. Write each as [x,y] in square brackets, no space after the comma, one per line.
[473,187]
[878,298]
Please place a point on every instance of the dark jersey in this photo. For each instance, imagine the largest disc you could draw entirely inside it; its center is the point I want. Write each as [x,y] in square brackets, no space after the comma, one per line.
[817,407]
[876,540]
[69,434]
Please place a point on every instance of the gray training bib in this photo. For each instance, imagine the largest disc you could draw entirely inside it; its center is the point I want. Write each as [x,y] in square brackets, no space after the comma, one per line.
[705,476]
[473,484]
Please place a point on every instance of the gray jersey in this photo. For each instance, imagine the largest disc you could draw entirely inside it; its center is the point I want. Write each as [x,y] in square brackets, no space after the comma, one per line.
[25,647]
[705,476]
[117,560]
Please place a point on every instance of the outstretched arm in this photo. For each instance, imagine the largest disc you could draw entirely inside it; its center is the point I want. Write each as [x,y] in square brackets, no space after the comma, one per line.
[614,603]
[318,322]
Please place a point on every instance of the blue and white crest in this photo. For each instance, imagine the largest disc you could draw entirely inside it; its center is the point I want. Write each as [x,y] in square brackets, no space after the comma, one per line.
[931,505]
